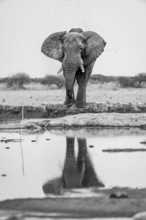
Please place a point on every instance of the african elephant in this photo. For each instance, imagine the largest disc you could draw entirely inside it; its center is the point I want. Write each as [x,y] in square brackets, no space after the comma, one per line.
[77,50]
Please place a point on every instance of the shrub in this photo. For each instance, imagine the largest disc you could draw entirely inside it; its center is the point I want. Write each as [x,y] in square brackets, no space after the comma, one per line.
[126,82]
[95,78]
[50,80]
[18,80]
[3,80]
[98,78]
[133,82]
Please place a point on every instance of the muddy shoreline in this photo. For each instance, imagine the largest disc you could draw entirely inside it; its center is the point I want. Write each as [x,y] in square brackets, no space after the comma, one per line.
[82,121]
[93,115]
[100,206]
[90,120]
[60,110]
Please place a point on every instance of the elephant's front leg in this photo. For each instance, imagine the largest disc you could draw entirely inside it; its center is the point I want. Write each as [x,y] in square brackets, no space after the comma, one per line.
[81,94]
[82,80]
[70,97]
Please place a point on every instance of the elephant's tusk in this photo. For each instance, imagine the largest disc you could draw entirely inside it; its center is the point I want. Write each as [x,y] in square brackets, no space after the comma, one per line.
[82,68]
[60,70]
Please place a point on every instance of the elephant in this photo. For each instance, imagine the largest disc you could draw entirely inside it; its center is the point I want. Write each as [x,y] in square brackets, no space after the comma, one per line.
[77,50]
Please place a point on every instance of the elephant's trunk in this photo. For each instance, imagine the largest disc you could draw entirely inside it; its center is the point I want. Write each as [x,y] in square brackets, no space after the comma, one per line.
[69,74]
[72,62]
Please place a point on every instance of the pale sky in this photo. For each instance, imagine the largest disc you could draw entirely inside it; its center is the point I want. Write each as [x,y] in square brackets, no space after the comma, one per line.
[24,25]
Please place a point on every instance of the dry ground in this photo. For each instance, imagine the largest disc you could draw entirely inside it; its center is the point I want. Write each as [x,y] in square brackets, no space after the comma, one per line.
[95,93]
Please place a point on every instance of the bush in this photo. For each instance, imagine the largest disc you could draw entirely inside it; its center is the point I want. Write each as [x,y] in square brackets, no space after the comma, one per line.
[126,82]
[122,81]
[95,78]
[18,80]
[3,80]
[56,80]
[133,82]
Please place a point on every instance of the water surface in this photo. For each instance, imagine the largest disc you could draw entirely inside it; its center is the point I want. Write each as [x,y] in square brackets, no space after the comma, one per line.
[35,165]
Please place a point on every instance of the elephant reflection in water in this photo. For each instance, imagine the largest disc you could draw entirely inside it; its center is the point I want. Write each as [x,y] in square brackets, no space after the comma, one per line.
[77,173]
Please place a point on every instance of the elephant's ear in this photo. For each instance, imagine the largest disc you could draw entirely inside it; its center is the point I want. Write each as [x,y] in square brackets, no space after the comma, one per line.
[94,46]
[53,47]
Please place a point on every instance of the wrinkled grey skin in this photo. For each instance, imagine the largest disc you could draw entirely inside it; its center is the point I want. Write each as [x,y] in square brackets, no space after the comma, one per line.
[77,51]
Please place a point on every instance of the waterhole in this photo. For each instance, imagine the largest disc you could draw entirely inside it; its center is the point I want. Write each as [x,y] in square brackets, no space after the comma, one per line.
[58,162]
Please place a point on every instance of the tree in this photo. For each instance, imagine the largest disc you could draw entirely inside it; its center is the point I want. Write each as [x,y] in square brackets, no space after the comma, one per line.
[141,77]
[18,80]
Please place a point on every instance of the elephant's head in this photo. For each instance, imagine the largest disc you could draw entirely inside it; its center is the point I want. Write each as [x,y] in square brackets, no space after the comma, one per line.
[75,49]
